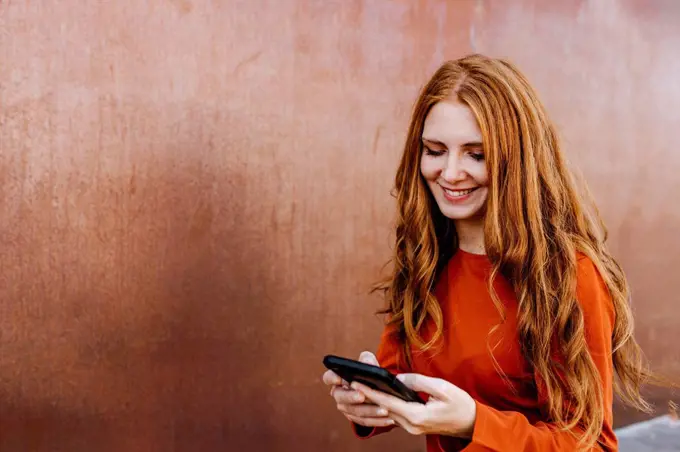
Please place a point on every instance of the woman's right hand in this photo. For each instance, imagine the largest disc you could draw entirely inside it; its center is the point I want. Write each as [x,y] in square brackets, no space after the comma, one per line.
[352,404]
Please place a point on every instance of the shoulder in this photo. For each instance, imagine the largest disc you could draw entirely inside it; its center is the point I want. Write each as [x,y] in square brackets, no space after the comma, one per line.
[587,273]
[592,292]
[586,270]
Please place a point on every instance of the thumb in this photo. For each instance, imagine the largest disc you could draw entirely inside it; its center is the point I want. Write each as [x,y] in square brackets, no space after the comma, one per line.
[420,383]
[368,358]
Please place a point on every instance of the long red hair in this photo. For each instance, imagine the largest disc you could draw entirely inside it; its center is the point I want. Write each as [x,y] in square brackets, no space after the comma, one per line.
[536,222]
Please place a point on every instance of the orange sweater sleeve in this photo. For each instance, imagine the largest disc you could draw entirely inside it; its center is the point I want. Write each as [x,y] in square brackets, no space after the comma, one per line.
[496,430]
[387,355]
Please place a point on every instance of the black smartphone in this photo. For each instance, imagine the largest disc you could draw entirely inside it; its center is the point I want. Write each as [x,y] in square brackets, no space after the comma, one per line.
[374,377]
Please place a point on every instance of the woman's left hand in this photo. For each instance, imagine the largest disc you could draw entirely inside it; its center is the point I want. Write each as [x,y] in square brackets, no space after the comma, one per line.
[449,410]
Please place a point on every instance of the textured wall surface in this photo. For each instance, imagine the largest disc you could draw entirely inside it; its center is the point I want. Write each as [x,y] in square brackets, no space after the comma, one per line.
[194,198]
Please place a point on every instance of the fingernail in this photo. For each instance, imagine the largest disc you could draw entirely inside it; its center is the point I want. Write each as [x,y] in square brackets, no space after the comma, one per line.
[401,377]
[382,412]
[357,398]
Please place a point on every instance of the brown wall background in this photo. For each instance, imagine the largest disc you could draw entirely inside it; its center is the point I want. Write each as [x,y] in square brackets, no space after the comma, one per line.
[194,199]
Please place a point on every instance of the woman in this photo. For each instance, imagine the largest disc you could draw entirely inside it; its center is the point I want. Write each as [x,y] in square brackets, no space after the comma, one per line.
[505,308]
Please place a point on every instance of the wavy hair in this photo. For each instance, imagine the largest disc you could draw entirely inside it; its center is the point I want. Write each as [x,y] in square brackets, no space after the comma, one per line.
[536,222]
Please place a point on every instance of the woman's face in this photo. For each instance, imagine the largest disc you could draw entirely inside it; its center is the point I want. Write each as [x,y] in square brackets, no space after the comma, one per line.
[452,161]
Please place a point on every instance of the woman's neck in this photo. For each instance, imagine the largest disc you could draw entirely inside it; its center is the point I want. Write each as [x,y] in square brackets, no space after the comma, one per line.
[471,235]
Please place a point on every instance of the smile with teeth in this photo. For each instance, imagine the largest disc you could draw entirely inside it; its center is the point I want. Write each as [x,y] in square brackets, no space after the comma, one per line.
[459,193]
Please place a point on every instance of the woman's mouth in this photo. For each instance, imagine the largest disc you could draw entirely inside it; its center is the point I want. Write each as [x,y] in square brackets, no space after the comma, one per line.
[459,194]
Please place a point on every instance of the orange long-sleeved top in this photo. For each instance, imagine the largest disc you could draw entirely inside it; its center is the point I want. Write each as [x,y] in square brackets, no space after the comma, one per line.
[506,420]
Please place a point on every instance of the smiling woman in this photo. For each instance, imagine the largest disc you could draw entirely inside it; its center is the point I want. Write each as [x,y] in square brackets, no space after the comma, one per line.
[452,164]
[505,307]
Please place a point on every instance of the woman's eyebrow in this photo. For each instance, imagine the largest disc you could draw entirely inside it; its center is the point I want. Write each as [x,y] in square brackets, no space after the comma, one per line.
[433,142]
[472,145]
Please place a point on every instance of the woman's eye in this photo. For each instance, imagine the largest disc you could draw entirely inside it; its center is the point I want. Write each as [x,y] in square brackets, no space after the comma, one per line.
[433,152]
[479,156]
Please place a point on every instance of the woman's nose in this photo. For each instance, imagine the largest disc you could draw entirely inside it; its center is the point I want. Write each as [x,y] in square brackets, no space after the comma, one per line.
[453,171]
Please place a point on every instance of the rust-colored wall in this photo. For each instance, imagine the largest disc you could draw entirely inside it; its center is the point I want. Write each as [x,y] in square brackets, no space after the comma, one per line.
[194,198]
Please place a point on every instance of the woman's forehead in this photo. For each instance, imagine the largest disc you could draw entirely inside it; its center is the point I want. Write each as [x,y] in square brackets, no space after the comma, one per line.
[451,123]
